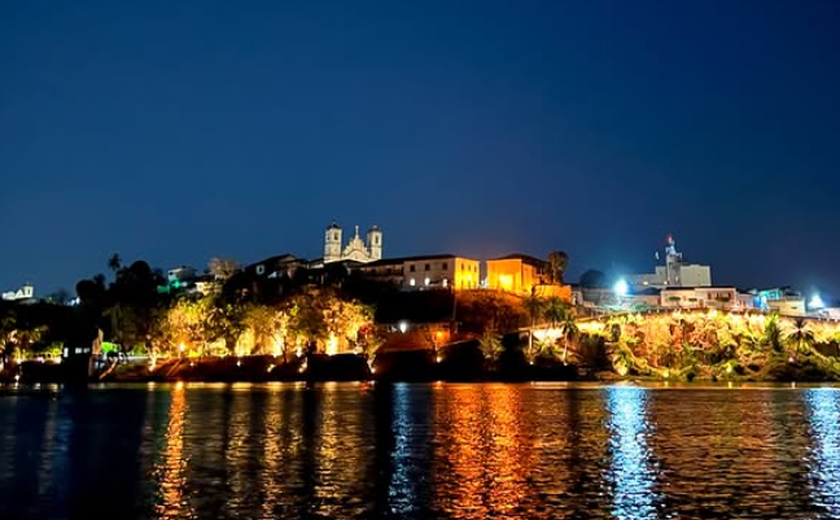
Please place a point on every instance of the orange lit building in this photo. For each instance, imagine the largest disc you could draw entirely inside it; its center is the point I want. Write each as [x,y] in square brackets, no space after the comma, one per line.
[516,273]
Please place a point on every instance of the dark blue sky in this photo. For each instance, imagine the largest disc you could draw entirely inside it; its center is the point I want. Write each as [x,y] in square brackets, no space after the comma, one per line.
[177,131]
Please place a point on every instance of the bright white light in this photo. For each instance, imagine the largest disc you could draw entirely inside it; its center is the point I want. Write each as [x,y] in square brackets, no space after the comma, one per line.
[412,282]
[403,326]
[620,288]
[426,281]
[816,302]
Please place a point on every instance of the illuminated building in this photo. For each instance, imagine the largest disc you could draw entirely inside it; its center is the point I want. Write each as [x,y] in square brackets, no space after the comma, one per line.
[724,298]
[522,274]
[425,272]
[357,250]
[24,293]
[676,272]
[781,300]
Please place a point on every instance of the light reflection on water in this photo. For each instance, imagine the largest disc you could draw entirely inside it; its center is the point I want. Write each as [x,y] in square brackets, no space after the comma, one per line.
[824,418]
[420,451]
[170,472]
[632,471]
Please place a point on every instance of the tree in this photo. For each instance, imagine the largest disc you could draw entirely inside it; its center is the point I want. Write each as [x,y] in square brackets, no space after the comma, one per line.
[59,297]
[593,279]
[222,268]
[556,312]
[491,347]
[133,297]
[557,263]
[224,322]
[91,294]
[115,263]
[307,321]
[773,334]
[186,323]
[800,336]
[571,332]
[269,327]
[535,307]
[7,327]
[99,280]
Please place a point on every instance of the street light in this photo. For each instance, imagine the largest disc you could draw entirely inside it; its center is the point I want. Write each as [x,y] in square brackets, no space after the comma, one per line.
[816,302]
[620,288]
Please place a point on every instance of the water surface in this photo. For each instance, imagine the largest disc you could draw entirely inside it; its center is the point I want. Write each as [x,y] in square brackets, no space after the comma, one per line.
[349,451]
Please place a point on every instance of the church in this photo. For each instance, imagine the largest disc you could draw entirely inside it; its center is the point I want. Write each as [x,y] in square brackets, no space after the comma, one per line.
[356,250]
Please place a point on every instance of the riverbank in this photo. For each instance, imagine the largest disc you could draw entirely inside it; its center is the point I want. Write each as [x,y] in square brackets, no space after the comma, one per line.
[465,365]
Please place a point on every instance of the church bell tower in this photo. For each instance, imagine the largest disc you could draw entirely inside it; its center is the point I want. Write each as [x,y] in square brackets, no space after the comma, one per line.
[332,243]
[374,243]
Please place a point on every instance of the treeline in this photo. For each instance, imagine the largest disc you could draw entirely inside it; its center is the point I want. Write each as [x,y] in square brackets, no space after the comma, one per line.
[140,312]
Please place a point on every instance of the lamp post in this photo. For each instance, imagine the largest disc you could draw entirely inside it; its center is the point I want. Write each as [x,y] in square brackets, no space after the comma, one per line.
[620,289]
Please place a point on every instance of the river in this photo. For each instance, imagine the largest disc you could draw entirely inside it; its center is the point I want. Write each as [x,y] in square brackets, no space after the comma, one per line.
[470,451]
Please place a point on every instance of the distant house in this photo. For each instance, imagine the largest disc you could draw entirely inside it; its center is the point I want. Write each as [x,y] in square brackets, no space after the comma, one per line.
[782,300]
[181,275]
[277,266]
[723,298]
[207,285]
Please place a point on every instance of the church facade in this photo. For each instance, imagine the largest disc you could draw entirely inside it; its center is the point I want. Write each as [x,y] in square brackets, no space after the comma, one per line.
[357,250]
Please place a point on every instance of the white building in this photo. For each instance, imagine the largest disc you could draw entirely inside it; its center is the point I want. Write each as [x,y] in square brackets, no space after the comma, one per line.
[724,298]
[356,249]
[676,272]
[25,292]
[426,272]
[180,275]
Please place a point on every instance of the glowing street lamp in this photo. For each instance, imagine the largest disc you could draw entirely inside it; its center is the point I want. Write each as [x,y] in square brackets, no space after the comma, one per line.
[620,288]
[816,302]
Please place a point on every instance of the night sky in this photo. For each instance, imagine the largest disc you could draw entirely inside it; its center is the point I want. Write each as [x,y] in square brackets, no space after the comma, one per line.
[178,131]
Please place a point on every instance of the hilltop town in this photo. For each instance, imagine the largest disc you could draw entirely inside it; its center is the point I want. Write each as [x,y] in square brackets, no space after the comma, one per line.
[428,316]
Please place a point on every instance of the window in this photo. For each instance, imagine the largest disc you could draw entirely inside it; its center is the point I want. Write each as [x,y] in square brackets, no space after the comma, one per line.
[260,269]
[462,266]
[444,266]
[428,266]
[411,268]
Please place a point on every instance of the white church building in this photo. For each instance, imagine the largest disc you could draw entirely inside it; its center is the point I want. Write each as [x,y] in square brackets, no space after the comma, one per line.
[357,250]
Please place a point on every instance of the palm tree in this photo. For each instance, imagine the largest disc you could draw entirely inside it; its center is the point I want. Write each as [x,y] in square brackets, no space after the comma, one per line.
[801,336]
[115,263]
[555,312]
[491,346]
[773,333]
[571,332]
[534,306]
[557,262]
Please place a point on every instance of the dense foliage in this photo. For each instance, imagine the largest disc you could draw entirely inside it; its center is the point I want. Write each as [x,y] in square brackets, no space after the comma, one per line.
[721,346]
